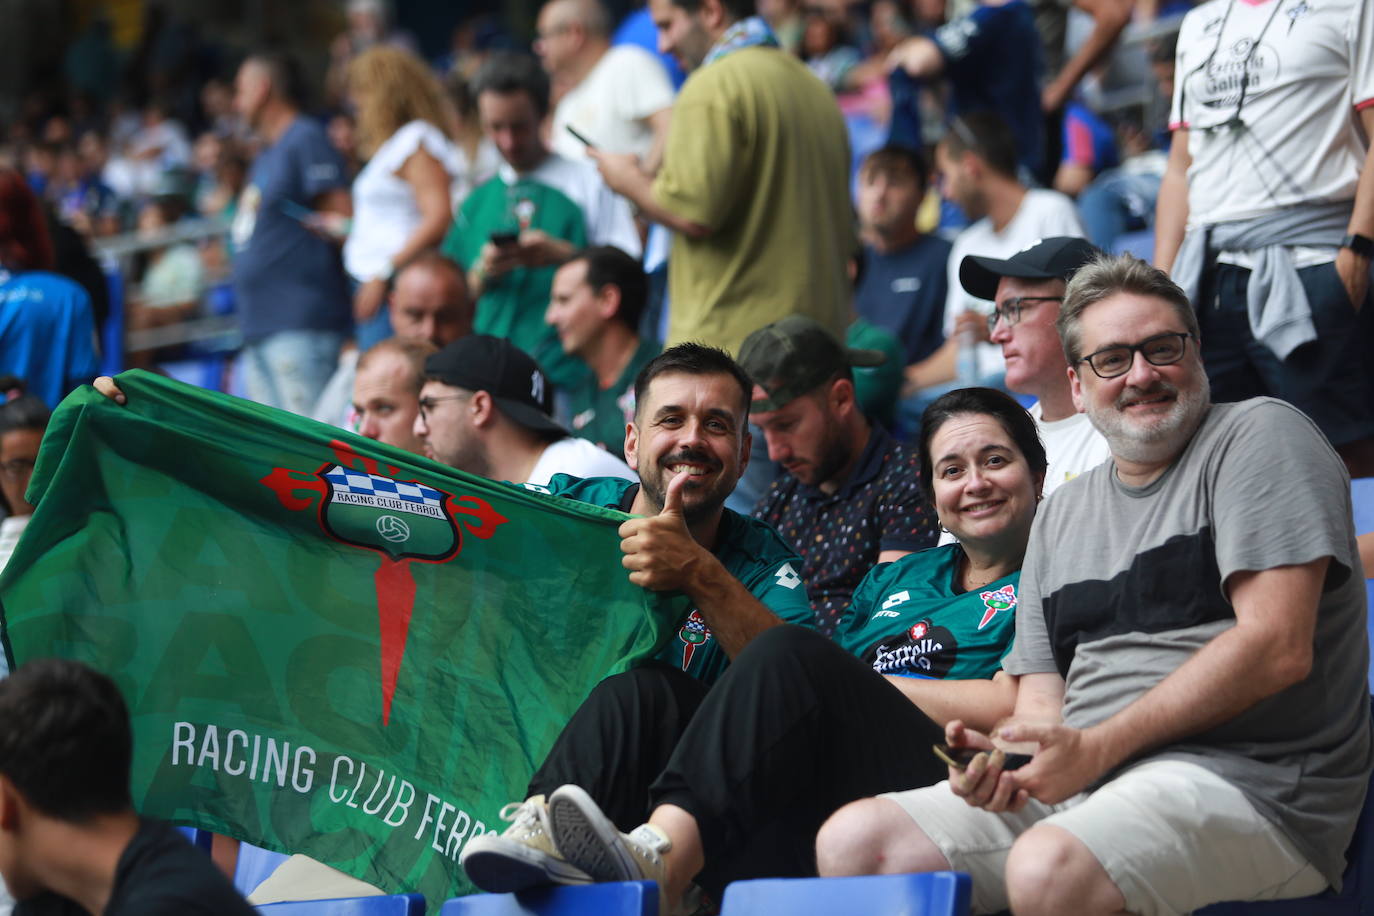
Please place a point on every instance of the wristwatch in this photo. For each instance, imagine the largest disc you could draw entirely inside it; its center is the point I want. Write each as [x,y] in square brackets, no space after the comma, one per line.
[1362,245]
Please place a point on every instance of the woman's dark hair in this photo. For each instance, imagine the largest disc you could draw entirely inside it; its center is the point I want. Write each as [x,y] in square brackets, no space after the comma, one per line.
[989,402]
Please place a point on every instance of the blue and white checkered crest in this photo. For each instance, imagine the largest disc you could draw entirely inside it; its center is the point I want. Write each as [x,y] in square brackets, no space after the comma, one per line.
[359,487]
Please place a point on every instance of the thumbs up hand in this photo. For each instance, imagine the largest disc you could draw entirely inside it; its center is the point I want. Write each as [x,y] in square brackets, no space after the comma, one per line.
[660,552]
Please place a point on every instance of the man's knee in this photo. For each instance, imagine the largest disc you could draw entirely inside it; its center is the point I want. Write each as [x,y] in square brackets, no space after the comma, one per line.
[1049,870]
[874,836]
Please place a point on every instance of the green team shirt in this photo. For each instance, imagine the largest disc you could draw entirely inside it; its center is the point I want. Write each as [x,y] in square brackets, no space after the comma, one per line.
[750,550]
[600,414]
[513,305]
[906,618]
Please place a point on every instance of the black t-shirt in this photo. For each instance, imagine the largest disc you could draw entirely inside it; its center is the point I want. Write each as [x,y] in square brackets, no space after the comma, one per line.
[159,874]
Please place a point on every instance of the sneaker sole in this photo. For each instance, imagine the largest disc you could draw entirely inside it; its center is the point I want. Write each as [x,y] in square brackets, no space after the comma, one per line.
[587,838]
[500,866]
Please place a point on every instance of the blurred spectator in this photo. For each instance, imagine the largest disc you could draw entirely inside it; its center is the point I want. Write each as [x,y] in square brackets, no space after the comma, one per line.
[47,335]
[753,183]
[173,278]
[401,198]
[826,47]
[23,418]
[1089,147]
[619,98]
[80,198]
[877,388]
[991,61]
[289,287]
[903,288]
[160,144]
[369,25]
[1271,174]
[230,174]
[637,28]
[785,18]
[40,166]
[217,104]
[513,231]
[342,130]
[977,165]
[597,298]
[480,158]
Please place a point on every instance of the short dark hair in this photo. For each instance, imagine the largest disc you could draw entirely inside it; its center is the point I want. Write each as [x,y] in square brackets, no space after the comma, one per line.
[999,405]
[609,266]
[987,136]
[692,359]
[511,71]
[284,73]
[739,9]
[1107,275]
[896,159]
[27,411]
[64,739]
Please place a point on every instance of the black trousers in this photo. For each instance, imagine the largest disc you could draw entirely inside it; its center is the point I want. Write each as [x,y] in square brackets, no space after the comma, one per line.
[796,728]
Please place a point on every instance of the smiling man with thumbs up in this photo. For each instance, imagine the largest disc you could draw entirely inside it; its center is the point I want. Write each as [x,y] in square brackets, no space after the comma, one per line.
[689,443]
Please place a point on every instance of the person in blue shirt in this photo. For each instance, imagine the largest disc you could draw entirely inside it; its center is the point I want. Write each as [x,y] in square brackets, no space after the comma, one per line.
[293,302]
[47,333]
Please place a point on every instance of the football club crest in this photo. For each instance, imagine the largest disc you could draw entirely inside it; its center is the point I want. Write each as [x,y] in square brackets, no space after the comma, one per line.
[1003,599]
[364,505]
[694,633]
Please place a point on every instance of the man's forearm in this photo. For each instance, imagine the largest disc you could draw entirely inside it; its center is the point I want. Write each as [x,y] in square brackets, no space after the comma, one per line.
[734,615]
[1171,207]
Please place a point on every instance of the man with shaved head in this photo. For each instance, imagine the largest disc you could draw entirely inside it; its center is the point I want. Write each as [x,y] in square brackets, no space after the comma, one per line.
[619,98]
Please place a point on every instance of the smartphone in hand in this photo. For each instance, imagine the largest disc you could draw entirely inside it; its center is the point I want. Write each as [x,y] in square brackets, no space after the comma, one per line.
[583,140]
[504,239]
[961,757]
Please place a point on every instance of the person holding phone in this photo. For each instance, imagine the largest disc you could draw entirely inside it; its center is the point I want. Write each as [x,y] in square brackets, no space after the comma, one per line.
[740,775]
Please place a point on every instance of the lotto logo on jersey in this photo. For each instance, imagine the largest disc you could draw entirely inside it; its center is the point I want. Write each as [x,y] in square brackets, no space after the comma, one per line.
[787,576]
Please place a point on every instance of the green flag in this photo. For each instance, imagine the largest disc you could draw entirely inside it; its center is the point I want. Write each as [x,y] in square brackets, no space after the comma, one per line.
[328,645]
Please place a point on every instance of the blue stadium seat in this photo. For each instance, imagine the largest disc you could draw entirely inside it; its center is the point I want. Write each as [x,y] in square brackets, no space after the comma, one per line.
[393,905]
[254,866]
[625,898]
[943,893]
[1357,885]
[1362,498]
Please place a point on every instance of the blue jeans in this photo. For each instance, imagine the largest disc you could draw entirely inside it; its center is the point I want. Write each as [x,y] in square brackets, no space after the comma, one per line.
[289,369]
[1118,202]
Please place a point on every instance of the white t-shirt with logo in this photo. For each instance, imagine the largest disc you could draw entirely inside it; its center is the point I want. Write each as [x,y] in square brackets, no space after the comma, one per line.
[1042,214]
[610,106]
[579,458]
[1072,445]
[1311,72]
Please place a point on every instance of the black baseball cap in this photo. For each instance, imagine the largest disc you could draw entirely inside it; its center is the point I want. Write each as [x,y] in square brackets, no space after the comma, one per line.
[480,362]
[1058,257]
[795,355]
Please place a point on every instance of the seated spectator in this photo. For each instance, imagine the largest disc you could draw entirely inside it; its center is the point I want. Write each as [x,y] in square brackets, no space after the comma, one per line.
[977,165]
[81,199]
[514,230]
[1203,738]
[70,840]
[1088,148]
[738,777]
[173,277]
[428,302]
[47,335]
[485,409]
[905,275]
[850,496]
[386,391]
[23,418]
[595,305]
[1027,289]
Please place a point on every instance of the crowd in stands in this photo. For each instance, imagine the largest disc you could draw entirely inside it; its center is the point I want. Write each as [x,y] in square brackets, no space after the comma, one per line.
[871,232]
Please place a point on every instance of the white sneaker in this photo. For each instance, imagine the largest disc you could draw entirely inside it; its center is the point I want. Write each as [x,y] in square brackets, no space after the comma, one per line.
[522,856]
[587,839]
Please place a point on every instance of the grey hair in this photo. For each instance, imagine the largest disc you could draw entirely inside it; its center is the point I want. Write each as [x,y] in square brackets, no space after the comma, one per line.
[1106,275]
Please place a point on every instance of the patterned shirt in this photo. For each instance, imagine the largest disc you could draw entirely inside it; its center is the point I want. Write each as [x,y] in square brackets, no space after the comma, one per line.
[839,535]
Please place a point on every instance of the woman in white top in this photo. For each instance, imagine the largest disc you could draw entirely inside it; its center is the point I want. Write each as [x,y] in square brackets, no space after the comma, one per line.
[401,197]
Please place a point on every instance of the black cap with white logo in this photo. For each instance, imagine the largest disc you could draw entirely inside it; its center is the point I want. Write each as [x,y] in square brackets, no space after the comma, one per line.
[1048,259]
[480,362]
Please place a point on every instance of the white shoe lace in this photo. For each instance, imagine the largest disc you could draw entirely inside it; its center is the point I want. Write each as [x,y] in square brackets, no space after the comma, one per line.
[526,818]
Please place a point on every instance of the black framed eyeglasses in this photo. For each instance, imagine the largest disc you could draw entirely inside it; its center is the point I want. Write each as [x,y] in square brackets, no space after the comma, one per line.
[1009,310]
[1160,350]
[16,468]
[427,404]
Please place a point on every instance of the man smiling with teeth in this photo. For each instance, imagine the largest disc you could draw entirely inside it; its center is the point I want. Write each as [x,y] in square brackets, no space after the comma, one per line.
[689,443]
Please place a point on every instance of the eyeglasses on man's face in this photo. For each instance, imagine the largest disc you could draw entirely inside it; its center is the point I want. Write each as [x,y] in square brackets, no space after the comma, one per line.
[1160,350]
[427,403]
[1009,310]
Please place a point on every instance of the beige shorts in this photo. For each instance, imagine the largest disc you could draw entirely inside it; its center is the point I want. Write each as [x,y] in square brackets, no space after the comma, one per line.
[1172,836]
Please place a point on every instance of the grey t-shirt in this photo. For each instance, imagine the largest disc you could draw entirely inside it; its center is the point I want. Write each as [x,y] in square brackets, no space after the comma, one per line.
[1121,585]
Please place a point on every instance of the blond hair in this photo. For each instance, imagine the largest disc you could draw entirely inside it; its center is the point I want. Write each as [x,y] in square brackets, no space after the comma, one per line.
[393,87]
